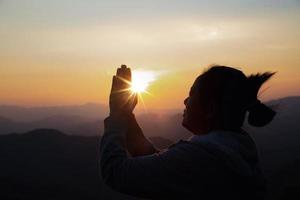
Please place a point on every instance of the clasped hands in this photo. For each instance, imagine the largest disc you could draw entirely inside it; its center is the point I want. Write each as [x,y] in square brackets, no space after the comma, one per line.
[122,100]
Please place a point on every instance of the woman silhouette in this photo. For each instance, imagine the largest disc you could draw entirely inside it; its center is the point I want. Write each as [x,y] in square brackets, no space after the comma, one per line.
[219,161]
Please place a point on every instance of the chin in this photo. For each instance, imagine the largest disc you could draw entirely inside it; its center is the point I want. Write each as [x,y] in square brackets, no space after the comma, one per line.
[185,125]
[184,122]
[190,127]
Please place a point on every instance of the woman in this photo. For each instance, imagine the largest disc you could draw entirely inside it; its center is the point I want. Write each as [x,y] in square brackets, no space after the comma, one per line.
[219,161]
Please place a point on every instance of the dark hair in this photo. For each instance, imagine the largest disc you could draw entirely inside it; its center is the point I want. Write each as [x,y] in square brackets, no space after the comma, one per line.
[259,114]
[233,94]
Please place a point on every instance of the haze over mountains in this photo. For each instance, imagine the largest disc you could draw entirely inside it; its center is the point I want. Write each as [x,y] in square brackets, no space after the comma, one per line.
[48,163]
[24,114]
[84,120]
[87,119]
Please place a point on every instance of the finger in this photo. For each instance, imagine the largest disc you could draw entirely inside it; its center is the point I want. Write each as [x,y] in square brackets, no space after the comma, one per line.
[125,75]
[118,71]
[114,85]
[119,80]
[128,74]
[122,71]
[118,84]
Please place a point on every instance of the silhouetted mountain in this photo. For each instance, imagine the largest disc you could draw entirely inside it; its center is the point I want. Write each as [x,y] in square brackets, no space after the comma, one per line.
[71,124]
[47,164]
[27,159]
[75,125]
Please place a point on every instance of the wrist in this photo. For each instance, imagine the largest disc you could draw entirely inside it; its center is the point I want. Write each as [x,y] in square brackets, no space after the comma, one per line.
[120,114]
[117,122]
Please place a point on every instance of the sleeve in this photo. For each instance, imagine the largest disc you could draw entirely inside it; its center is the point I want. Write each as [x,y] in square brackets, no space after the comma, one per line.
[150,176]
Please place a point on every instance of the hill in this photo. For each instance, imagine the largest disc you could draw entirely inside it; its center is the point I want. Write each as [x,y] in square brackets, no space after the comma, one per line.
[48,164]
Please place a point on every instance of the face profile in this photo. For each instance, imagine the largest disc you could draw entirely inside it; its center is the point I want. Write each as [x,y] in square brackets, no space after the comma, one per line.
[196,114]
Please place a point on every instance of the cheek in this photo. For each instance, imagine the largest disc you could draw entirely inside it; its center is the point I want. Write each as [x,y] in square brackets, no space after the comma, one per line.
[193,107]
[196,113]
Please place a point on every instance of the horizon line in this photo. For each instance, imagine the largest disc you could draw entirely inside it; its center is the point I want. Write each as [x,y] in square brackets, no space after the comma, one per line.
[106,105]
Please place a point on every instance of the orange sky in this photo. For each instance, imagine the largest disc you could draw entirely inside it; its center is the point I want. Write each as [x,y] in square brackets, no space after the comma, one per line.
[57,53]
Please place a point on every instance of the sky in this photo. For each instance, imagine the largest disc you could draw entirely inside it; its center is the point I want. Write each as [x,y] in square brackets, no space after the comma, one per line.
[63,52]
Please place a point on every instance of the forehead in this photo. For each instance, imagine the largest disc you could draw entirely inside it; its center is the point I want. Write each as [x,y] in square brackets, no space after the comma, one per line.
[196,85]
[198,81]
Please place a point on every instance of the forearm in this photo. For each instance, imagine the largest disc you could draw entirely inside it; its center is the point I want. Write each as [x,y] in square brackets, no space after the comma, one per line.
[137,144]
[116,168]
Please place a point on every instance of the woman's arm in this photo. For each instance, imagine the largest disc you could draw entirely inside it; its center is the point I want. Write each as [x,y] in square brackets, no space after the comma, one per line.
[136,143]
[152,176]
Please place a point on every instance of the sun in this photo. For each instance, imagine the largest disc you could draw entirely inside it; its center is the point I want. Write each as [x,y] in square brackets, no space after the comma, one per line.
[141,80]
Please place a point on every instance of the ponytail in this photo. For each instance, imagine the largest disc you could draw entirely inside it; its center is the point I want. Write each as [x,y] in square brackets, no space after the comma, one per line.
[259,114]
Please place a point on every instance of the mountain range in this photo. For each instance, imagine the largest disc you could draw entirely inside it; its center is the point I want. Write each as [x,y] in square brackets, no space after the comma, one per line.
[53,155]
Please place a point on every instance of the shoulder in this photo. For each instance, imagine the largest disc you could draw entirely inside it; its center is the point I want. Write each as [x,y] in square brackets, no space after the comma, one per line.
[188,152]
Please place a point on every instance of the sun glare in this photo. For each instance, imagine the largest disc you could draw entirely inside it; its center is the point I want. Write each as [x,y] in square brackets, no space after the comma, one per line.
[141,80]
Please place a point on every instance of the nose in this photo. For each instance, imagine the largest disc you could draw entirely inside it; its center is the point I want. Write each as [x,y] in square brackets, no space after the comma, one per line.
[186,101]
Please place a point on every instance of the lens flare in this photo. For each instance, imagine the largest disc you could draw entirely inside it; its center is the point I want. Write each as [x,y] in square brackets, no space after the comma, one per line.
[141,80]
